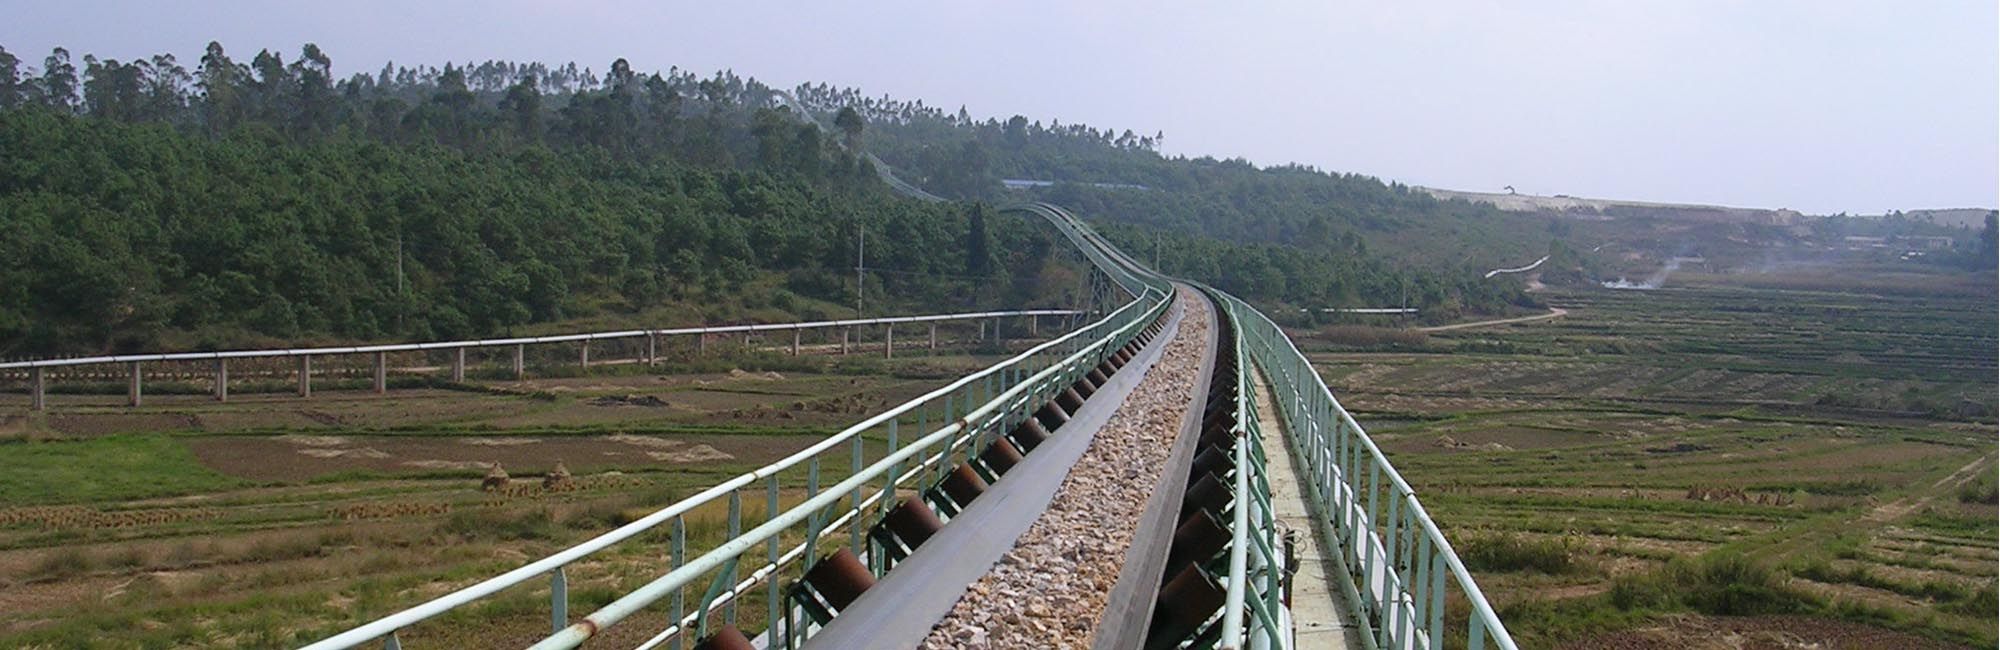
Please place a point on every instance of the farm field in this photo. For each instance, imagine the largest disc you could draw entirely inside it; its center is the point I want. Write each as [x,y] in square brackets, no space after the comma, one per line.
[1707,463]
[270,520]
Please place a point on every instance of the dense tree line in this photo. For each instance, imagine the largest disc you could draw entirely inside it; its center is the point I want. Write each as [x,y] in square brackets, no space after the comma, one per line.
[1290,232]
[143,201]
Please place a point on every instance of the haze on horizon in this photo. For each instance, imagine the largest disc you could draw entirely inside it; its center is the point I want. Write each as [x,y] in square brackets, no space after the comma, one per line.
[1822,107]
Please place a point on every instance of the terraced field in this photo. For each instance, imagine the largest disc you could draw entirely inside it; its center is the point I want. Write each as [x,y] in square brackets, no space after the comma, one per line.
[270,521]
[1831,451]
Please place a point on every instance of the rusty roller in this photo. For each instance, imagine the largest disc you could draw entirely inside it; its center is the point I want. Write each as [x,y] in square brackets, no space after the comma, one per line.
[912,522]
[1197,540]
[1207,493]
[1084,386]
[726,637]
[1069,400]
[1001,456]
[1029,434]
[963,484]
[1185,603]
[1213,458]
[1052,415]
[840,578]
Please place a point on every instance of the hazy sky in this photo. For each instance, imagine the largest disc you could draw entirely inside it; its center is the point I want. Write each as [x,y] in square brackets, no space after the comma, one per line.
[1815,105]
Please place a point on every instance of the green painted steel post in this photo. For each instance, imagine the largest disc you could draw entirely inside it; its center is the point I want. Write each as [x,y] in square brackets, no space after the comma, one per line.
[680,595]
[772,597]
[558,600]
[854,499]
[735,530]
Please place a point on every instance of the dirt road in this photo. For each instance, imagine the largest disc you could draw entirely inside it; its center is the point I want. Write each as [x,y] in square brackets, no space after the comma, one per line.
[1553,313]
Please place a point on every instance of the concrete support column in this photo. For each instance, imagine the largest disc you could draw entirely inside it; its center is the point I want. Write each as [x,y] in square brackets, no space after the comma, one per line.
[652,348]
[933,337]
[982,332]
[37,389]
[795,340]
[222,380]
[996,329]
[1034,325]
[888,341]
[458,364]
[132,388]
[381,372]
[844,333]
[700,344]
[583,356]
[305,376]
[520,361]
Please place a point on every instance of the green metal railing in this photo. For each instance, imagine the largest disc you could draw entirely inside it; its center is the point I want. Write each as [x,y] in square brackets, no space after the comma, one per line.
[879,457]
[1402,569]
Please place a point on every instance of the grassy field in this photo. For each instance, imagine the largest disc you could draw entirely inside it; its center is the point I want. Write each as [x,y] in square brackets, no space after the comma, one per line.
[1707,460]
[270,520]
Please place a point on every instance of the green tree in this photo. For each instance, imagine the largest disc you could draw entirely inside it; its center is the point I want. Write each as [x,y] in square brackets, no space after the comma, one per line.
[523,108]
[850,124]
[220,82]
[10,80]
[978,243]
[59,81]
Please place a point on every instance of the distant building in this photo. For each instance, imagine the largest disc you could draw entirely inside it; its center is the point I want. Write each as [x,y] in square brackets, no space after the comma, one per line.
[1925,242]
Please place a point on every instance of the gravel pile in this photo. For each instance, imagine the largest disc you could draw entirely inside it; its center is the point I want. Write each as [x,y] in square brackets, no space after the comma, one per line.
[1049,591]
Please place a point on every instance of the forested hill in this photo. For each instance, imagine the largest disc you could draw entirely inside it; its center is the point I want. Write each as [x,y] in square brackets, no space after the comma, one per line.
[146,205]
[155,204]
[1380,233]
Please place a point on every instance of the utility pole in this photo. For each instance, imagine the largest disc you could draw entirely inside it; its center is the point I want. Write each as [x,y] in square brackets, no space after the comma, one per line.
[402,300]
[860,267]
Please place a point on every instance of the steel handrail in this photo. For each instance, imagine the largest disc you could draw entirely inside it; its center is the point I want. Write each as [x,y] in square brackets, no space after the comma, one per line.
[527,340]
[1279,351]
[1122,323]
[683,576]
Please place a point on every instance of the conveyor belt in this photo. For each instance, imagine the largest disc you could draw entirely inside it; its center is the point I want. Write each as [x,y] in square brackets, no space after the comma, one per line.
[900,609]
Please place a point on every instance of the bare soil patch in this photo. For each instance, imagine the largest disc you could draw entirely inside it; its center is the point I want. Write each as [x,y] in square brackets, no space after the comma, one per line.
[299,458]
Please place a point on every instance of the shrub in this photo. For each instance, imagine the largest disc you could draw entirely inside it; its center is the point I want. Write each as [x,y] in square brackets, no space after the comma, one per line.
[1985,490]
[496,524]
[1508,552]
[65,563]
[1721,584]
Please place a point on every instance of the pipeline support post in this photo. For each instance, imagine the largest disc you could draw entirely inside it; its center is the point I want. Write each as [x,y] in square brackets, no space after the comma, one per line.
[888,341]
[652,348]
[132,387]
[933,337]
[305,376]
[844,333]
[520,361]
[700,344]
[583,357]
[37,389]
[458,365]
[381,372]
[1034,325]
[796,333]
[221,380]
